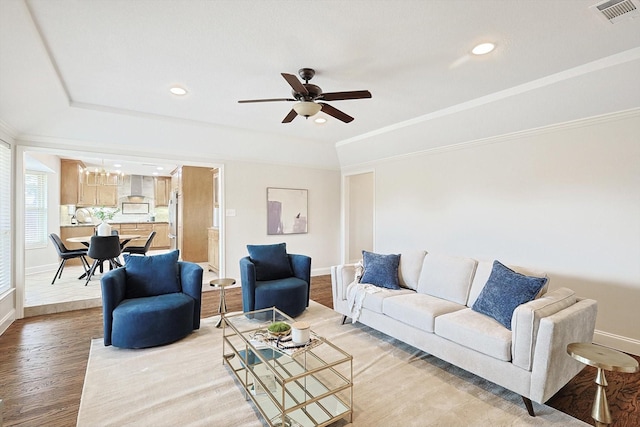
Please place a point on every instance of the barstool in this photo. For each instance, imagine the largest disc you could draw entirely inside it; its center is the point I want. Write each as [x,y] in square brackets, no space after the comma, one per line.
[222,308]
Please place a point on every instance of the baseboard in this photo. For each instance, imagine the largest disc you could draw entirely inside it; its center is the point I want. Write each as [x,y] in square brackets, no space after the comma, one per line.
[6,321]
[618,342]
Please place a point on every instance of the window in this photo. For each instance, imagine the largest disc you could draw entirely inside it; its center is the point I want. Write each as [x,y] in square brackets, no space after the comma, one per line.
[5,216]
[35,210]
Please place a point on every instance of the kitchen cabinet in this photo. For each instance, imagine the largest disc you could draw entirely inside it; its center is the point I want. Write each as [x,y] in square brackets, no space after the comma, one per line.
[162,189]
[70,173]
[161,241]
[78,189]
[141,228]
[195,211]
[214,251]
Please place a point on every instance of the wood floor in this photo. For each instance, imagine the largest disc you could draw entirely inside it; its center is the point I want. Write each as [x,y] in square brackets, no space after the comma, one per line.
[43,362]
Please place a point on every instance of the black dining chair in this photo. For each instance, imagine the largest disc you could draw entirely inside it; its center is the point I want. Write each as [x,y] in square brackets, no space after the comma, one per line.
[67,254]
[141,250]
[103,248]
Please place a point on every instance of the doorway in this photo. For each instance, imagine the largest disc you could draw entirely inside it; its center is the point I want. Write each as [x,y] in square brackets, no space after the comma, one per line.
[359,215]
[34,293]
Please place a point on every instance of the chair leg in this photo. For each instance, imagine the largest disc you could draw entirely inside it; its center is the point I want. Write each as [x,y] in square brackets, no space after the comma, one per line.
[86,266]
[59,272]
[344,320]
[93,269]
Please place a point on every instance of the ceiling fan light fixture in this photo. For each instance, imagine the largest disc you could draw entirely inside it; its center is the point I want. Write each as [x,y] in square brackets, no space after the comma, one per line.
[307,108]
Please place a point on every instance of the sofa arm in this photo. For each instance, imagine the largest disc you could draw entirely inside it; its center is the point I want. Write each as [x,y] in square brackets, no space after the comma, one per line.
[552,366]
[248,279]
[341,277]
[526,321]
[114,286]
[301,265]
[191,281]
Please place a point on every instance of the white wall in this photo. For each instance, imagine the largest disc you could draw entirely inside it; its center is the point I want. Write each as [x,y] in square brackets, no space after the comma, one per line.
[245,192]
[564,199]
[360,209]
[46,258]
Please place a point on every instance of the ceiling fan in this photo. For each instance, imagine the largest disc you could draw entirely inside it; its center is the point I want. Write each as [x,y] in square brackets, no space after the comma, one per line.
[308,97]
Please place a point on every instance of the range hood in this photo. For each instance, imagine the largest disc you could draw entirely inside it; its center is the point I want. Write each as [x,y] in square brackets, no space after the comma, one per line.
[136,186]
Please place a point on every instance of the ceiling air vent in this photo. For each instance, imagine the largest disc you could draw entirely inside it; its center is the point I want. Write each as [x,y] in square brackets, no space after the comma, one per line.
[617,10]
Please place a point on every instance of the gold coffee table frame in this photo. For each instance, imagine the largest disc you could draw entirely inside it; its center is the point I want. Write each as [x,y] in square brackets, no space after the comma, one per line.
[602,358]
[310,388]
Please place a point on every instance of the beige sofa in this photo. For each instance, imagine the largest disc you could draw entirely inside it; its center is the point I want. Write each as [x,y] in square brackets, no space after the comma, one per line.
[432,312]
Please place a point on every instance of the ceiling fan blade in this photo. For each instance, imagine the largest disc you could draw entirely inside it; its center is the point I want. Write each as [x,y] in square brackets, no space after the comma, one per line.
[334,112]
[292,115]
[295,83]
[339,96]
[245,101]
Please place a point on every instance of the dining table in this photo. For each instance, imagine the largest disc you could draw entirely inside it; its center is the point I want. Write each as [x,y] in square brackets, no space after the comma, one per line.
[86,240]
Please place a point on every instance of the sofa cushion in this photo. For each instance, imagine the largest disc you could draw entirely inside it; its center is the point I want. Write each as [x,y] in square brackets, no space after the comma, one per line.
[505,290]
[475,331]
[526,319]
[380,270]
[152,275]
[418,310]
[483,271]
[410,267]
[375,301]
[446,277]
[271,261]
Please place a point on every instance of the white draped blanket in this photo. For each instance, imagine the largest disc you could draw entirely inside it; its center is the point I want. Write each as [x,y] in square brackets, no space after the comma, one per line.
[186,384]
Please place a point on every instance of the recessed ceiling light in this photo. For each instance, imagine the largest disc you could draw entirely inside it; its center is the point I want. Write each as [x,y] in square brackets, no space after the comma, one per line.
[177,90]
[155,173]
[483,48]
[117,165]
[160,168]
[320,120]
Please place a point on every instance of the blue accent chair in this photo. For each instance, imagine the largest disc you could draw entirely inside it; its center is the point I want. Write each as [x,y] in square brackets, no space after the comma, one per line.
[151,301]
[281,281]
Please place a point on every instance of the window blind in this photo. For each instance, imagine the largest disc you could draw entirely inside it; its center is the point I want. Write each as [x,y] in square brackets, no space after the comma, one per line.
[5,216]
[35,210]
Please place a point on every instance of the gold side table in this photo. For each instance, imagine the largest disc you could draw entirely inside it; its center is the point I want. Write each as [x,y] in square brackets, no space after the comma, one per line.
[222,308]
[602,358]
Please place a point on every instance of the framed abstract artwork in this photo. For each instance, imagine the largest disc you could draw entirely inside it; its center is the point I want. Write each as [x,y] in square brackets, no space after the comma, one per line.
[286,210]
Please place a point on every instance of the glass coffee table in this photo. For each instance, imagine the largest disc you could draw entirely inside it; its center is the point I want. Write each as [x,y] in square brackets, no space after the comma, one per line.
[291,385]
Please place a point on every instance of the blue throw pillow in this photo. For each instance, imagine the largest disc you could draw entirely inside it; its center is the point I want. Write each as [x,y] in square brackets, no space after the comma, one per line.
[152,275]
[271,261]
[381,270]
[505,291]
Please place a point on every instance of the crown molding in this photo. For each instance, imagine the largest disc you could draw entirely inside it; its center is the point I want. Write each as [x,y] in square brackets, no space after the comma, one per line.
[578,123]
[590,67]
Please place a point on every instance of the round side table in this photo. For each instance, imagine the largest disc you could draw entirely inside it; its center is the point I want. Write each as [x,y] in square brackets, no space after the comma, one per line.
[602,358]
[222,308]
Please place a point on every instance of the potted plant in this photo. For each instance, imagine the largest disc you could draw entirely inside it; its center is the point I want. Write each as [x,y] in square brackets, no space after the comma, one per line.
[104,215]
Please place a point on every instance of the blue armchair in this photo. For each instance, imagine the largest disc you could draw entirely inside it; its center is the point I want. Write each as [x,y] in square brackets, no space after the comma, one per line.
[151,301]
[271,277]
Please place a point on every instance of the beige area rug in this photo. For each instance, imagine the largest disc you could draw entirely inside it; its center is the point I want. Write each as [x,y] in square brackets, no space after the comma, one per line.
[186,384]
